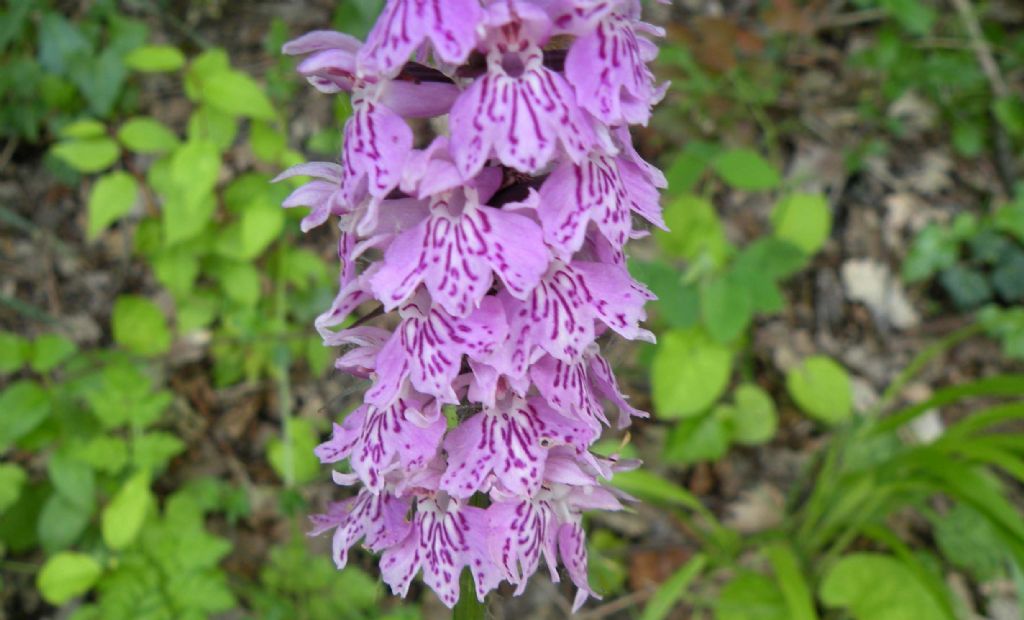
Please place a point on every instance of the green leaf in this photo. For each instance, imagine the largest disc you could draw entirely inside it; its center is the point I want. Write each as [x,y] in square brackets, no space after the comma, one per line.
[1009,111]
[268,143]
[12,479]
[50,351]
[177,269]
[152,451]
[822,389]
[123,517]
[83,130]
[696,440]
[112,197]
[125,394]
[155,59]
[203,68]
[746,170]
[234,92]
[726,307]
[104,453]
[1008,277]
[913,15]
[672,591]
[968,287]
[1007,325]
[933,250]
[1010,219]
[67,575]
[23,406]
[651,487]
[140,326]
[14,352]
[795,590]
[804,220]
[73,480]
[754,418]
[750,596]
[292,458]
[878,587]
[194,169]
[968,541]
[695,232]
[678,304]
[61,523]
[213,126]
[88,156]
[147,135]
[685,171]
[689,373]
[261,224]
[241,281]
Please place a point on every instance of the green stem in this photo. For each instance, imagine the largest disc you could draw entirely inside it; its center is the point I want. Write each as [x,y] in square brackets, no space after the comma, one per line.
[468,607]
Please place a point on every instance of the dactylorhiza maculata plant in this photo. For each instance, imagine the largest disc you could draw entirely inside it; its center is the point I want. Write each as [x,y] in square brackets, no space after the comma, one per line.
[499,249]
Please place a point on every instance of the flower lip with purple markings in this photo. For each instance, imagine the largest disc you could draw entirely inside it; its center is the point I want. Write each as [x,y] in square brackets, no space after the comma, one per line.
[498,250]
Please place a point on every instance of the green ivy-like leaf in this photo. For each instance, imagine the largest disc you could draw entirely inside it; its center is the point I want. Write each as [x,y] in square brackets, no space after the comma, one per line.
[88,156]
[123,517]
[155,59]
[879,587]
[147,135]
[745,169]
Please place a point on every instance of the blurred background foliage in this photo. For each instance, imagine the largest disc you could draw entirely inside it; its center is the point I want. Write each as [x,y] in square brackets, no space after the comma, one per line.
[837,384]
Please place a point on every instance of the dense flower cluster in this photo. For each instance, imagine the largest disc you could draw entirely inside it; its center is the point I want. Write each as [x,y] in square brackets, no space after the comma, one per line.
[499,246]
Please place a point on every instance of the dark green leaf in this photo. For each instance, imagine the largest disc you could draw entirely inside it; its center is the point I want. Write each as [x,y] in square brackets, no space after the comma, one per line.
[23,406]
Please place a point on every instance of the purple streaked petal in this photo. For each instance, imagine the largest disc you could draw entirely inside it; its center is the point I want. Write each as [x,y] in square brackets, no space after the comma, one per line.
[403,26]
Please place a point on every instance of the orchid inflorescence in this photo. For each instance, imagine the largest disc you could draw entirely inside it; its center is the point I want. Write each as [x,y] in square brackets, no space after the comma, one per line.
[500,246]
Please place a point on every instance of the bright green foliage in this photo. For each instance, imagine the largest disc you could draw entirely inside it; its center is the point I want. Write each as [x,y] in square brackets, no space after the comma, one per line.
[803,220]
[878,587]
[12,479]
[124,515]
[67,575]
[50,351]
[147,135]
[748,596]
[23,406]
[112,197]
[292,455]
[745,169]
[88,156]
[821,388]
[14,352]
[753,419]
[139,326]
[155,59]
[689,373]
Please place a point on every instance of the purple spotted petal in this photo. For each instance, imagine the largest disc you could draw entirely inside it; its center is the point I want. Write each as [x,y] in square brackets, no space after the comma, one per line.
[428,347]
[441,542]
[608,69]
[573,551]
[519,111]
[511,441]
[404,25]
[521,531]
[602,189]
[376,145]
[454,254]
[376,519]
[558,317]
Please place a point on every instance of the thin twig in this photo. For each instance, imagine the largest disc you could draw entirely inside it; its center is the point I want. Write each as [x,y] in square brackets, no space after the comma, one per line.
[8,152]
[1005,164]
[619,604]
